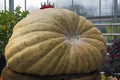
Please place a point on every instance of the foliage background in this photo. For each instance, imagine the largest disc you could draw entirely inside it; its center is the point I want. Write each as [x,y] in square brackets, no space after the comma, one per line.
[112,63]
[7,22]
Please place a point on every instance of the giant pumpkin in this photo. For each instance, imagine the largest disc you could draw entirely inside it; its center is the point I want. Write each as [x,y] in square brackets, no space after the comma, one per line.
[55,42]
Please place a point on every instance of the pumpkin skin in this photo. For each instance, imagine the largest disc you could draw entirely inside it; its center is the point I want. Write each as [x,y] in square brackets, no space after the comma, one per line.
[54,42]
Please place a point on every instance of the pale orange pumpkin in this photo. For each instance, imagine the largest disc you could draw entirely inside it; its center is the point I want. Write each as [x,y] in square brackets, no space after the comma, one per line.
[54,42]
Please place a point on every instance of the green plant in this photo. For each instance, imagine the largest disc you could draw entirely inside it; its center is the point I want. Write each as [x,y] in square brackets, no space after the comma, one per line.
[7,22]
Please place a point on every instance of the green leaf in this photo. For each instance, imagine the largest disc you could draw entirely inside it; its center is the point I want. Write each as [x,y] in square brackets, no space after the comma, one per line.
[7,22]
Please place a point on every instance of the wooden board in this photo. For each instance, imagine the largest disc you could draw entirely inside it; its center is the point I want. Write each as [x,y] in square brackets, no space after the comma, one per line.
[8,74]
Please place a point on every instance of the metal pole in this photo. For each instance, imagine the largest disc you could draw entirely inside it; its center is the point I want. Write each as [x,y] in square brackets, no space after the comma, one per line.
[72,6]
[11,5]
[25,5]
[100,10]
[115,27]
[115,10]
[4,4]
[47,1]
[115,14]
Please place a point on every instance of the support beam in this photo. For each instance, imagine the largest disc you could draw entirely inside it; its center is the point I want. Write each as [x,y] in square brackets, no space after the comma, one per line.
[4,4]
[47,1]
[115,15]
[25,5]
[11,5]
[100,10]
[115,10]
[72,6]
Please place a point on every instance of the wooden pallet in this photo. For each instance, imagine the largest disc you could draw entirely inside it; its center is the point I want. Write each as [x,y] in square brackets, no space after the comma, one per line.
[8,74]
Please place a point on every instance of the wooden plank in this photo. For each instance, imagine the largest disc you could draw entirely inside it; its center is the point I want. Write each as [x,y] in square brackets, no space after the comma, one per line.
[9,74]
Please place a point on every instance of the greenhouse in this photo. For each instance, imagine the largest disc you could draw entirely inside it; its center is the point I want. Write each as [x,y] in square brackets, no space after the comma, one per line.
[59,40]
